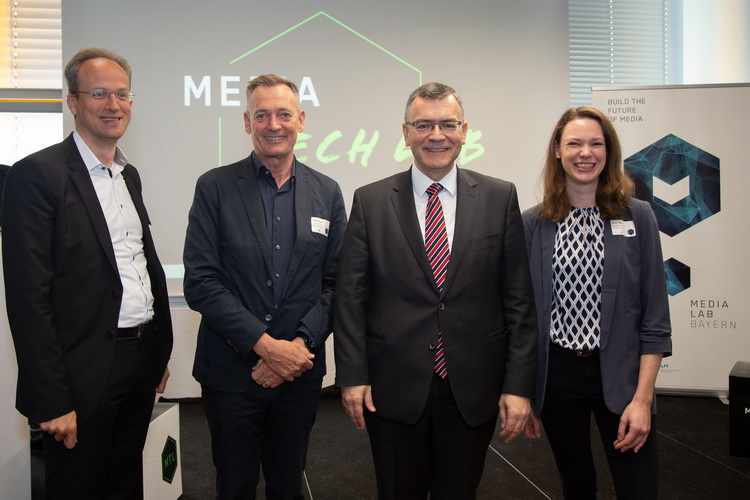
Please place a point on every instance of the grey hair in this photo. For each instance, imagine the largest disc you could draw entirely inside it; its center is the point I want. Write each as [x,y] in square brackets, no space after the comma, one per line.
[269,80]
[432,90]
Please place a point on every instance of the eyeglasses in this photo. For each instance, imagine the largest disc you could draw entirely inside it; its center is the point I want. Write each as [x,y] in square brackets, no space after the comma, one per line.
[446,126]
[101,94]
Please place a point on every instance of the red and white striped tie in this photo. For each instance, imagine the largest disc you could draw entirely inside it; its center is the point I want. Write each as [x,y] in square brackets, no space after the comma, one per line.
[438,253]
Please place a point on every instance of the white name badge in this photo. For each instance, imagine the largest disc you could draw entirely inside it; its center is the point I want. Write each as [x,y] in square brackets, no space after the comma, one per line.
[319,225]
[623,228]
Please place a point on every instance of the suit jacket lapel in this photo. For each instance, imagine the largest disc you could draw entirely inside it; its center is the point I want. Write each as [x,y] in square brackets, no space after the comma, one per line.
[547,234]
[148,242]
[135,195]
[612,263]
[302,214]
[81,178]
[248,187]
[466,208]
[402,200]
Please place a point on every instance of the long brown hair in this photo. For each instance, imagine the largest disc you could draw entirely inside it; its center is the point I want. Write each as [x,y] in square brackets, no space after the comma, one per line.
[614,189]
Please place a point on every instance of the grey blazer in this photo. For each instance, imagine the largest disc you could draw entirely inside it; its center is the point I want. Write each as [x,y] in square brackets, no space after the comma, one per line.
[635,308]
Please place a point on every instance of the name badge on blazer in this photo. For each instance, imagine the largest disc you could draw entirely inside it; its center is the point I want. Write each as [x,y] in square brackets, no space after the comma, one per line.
[319,225]
[623,228]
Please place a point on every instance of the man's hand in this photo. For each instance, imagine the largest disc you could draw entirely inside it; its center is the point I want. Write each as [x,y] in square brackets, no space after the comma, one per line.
[266,377]
[354,399]
[533,428]
[288,360]
[514,413]
[163,384]
[64,429]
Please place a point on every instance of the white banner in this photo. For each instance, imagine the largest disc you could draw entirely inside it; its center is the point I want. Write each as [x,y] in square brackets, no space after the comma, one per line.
[685,146]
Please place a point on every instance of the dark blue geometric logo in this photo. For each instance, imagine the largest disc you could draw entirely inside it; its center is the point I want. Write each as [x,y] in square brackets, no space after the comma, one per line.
[678,276]
[671,159]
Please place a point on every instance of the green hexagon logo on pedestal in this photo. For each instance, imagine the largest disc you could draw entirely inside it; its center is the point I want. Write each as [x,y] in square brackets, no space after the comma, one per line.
[169,460]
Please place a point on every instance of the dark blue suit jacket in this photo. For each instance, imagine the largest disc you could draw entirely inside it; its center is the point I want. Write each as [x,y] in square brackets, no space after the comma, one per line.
[63,289]
[635,308]
[227,271]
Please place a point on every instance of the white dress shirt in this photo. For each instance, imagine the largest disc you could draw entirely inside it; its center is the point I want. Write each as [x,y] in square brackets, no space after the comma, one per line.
[126,233]
[448,197]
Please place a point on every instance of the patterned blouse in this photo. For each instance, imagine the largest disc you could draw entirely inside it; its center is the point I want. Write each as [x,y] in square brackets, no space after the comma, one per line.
[577,268]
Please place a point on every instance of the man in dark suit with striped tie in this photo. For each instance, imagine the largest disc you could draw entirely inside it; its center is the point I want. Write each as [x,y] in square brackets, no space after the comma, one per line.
[434,319]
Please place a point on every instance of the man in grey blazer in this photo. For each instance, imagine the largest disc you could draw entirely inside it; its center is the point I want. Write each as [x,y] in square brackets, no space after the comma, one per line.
[260,259]
[398,306]
[86,294]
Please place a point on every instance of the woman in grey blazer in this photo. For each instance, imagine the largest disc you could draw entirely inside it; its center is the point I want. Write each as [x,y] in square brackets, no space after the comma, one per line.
[602,308]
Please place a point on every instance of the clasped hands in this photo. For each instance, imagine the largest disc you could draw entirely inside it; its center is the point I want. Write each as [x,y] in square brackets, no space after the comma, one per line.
[280,361]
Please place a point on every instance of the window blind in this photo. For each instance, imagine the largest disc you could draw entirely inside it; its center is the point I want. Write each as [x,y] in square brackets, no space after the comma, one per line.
[623,43]
[30,77]
[35,44]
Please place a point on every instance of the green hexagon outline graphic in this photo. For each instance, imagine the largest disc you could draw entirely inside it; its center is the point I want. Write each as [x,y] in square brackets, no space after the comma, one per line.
[322,13]
[298,25]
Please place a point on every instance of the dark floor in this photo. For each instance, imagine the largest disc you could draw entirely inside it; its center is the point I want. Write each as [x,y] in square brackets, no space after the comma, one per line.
[693,447]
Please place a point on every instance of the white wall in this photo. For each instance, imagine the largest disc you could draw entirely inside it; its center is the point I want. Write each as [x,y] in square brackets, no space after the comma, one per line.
[15,461]
[716,44]
[508,60]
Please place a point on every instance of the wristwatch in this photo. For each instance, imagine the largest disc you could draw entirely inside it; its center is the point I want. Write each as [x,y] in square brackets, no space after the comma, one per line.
[309,343]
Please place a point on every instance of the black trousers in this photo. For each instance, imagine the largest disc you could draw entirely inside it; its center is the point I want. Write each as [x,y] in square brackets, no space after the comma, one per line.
[261,427]
[574,392]
[440,453]
[107,461]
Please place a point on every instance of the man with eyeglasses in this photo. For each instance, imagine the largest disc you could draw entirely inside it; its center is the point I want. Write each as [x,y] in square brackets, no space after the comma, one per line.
[260,257]
[85,292]
[434,317]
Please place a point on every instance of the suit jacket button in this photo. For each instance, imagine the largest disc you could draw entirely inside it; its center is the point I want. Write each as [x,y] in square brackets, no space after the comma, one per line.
[432,346]
[269,317]
[115,295]
[110,334]
[269,283]
[441,307]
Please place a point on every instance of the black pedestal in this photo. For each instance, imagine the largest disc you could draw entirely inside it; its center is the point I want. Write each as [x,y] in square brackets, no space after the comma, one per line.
[739,409]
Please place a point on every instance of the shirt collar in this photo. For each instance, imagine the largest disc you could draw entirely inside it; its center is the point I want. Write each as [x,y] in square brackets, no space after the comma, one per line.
[259,167]
[421,182]
[91,161]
